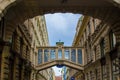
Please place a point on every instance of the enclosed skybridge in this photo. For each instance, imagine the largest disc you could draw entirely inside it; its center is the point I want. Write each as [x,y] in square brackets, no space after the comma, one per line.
[59,56]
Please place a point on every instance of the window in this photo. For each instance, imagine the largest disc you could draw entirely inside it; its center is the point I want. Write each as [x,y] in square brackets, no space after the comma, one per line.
[21,45]
[94,24]
[89,28]
[46,53]
[95,56]
[73,55]
[79,56]
[102,47]
[103,71]
[40,56]
[59,53]
[112,40]
[67,53]
[90,52]
[52,54]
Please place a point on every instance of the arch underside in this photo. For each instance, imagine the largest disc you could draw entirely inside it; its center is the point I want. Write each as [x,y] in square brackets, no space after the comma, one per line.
[28,9]
[67,63]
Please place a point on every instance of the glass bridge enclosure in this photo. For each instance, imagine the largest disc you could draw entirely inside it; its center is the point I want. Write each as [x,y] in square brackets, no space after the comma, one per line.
[47,54]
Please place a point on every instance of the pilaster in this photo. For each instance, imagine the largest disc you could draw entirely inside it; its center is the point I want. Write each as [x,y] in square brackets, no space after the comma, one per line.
[22,72]
[16,72]
[5,62]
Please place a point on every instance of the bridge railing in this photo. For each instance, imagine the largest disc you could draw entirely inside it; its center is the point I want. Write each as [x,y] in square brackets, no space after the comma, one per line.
[72,54]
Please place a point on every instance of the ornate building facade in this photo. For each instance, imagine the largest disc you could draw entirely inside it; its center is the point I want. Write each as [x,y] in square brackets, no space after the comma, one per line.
[101,58]
[38,31]
[15,54]
[18,57]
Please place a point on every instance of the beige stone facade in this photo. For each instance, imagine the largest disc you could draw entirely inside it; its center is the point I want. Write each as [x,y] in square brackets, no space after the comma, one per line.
[99,43]
[15,56]
[19,56]
[38,31]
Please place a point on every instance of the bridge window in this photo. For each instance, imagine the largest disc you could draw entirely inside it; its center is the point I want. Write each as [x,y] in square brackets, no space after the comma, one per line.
[39,56]
[59,53]
[73,55]
[52,54]
[67,53]
[79,56]
[46,53]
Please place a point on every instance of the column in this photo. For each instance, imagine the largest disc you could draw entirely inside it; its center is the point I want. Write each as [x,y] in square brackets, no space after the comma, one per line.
[36,58]
[108,61]
[49,55]
[14,68]
[83,57]
[42,56]
[76,55]
[63,55]
[56,51]
[70,54]
[5,70]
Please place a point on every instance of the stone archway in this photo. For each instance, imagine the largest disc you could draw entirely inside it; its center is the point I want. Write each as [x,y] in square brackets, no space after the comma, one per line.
[16,12]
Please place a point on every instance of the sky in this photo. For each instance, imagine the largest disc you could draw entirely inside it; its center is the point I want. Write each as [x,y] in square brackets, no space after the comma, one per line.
[61,26]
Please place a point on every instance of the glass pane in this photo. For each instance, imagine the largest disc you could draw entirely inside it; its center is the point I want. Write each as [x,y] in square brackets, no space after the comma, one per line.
[79,56]
[73,55]
[114,40]
[59,54]
[52,54]
[67,53]
[46,53]
[39,56]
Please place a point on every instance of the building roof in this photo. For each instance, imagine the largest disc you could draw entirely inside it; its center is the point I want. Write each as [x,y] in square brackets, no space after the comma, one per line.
[58,77]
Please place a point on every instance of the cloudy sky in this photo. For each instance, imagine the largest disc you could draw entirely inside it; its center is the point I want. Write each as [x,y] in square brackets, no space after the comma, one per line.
[61,27]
